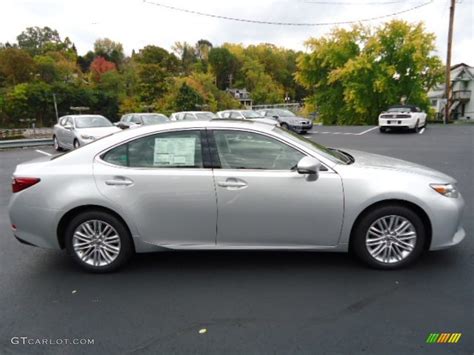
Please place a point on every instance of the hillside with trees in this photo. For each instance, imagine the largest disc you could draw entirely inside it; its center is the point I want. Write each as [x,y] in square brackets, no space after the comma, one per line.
[347,76]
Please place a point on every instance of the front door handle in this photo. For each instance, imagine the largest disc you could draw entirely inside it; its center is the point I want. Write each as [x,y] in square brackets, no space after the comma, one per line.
[233,184]
[118,181]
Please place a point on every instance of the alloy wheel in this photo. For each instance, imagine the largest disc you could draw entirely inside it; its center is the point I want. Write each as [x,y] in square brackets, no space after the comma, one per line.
[391,239]
[96,243]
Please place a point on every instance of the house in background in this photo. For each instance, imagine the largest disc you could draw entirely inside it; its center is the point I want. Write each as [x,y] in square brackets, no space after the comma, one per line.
[462,88]
[241,95]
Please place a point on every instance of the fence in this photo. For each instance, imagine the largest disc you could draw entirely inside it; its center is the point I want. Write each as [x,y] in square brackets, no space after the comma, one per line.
[18,133]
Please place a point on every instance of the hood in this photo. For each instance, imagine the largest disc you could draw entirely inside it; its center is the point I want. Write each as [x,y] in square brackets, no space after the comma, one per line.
[377,161]
[98,132]
[265,120]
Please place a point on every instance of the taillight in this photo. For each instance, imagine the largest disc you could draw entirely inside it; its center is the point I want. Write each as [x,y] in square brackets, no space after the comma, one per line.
[21,183]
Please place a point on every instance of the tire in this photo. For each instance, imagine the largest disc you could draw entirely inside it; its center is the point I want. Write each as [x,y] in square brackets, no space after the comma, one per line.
[365,245]
[56,145]
[95,254]
[76,144]
[382,129]
[417,127]
[285,126]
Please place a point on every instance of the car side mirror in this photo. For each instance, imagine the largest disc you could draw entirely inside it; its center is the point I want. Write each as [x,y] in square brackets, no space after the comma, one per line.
[69,127]
[275,116]
[308,165]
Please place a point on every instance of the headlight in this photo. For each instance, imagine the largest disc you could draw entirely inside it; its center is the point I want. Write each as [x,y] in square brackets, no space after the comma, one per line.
[448,190]
[86,137]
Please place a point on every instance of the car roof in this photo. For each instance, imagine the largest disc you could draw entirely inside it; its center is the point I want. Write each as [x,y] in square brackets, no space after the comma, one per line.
[194,112]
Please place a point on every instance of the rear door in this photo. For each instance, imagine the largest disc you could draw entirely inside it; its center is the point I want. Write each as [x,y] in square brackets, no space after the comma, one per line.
[164,184]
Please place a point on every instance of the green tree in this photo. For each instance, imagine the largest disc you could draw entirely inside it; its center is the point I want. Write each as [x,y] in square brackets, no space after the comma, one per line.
[36,40]
[355,74]
[188,99]
[16,66]
[224,64]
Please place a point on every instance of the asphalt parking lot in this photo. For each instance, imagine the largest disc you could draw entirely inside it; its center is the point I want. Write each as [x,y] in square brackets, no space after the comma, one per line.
[250,302]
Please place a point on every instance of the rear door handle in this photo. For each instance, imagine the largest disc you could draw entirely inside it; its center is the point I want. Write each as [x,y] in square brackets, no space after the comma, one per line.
[233,184]
[117,181]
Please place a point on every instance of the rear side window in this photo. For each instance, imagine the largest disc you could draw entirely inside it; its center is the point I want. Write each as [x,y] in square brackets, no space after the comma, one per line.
[165,150]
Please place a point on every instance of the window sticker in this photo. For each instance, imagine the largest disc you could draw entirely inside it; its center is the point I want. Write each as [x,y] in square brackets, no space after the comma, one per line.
[174,151]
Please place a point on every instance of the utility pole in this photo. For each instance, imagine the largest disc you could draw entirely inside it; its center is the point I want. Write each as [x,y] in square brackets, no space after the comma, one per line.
[55,107]
[447,92]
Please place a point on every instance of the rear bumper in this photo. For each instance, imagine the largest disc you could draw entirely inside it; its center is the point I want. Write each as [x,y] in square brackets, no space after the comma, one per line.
[397,122]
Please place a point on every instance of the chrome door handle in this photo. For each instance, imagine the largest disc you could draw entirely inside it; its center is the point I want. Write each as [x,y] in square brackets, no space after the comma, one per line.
[119,182]
[233,183]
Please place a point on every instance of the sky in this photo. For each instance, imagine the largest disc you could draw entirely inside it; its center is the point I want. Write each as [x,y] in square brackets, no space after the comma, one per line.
[135,23]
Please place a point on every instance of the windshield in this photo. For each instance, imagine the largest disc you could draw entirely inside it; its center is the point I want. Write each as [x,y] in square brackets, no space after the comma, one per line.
[282,113]
[205,115]
[154,119]
[92,122]
[331,154]
[251,114]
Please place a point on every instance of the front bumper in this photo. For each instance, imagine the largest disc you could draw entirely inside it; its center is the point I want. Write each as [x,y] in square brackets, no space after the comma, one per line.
[445,215]
[301,127]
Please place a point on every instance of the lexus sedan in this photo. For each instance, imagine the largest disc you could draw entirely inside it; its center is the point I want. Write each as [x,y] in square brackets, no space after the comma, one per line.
[74,131]
[228,185]
[288,119]
[133,120]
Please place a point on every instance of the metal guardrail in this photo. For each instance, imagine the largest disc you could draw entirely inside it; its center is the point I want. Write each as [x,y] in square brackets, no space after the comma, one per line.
[20,143]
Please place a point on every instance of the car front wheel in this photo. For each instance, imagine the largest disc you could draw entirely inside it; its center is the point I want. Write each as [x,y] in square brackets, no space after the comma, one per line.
[56,145]
[98,241]
[389,237]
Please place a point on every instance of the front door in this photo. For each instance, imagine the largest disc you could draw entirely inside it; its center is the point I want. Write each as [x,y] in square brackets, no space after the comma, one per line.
[159,182]
[264,202]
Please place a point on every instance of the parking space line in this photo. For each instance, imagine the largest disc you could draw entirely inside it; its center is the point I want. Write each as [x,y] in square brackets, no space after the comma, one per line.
[44,153]
[367,131]
[344,133]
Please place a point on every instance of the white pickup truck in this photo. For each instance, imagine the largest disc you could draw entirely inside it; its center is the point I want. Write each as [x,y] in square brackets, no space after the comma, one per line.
[402,116]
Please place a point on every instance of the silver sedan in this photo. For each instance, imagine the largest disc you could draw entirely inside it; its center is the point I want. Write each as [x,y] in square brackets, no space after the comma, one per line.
[220,185]
[74,131]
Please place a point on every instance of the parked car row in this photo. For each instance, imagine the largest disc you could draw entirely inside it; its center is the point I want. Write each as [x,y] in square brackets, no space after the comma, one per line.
[73,131]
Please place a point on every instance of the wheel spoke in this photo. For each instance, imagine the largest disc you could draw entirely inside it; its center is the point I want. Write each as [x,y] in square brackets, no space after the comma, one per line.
[375,241]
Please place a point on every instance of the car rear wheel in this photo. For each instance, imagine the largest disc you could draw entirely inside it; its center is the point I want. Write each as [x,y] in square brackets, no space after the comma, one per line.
[56,145]
[417,127]
[285,126]
[389,237]
[76,144]
[98,241]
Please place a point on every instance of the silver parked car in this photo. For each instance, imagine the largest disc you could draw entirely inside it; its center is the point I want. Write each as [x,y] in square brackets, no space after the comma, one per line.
[288,119]
[133,120]
[221,185]
[247,115]
[195,115]
[74,131]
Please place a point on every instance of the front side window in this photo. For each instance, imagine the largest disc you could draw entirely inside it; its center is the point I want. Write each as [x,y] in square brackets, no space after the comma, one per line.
[235,114]
[163,150]
[248,150]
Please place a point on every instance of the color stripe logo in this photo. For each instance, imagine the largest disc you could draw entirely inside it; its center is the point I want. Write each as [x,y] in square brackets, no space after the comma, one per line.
[439,338]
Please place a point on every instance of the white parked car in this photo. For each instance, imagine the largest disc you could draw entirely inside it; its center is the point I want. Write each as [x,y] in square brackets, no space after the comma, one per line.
[74,131]
[247,115]
[402,117]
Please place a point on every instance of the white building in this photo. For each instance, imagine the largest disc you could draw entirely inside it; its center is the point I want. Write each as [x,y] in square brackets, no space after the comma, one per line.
[462,88]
